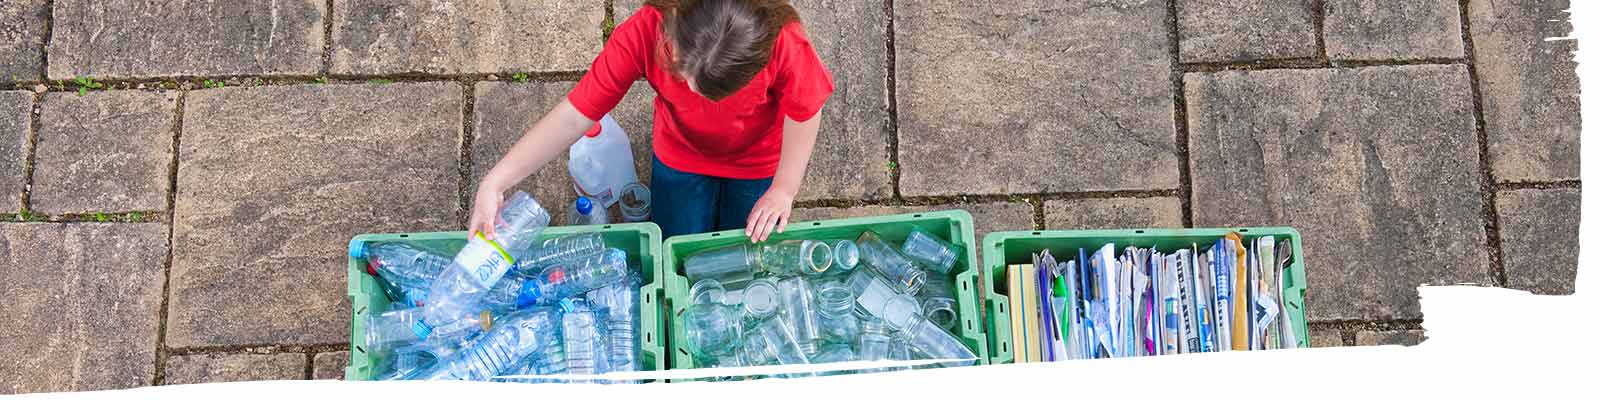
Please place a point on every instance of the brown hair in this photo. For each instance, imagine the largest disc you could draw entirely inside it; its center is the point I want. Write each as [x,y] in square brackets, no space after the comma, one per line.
[721,44]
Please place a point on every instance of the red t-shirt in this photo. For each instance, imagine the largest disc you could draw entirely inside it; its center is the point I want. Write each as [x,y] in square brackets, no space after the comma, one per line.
[739,137]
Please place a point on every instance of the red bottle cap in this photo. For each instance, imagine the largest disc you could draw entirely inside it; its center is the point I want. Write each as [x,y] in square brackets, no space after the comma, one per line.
[593,130]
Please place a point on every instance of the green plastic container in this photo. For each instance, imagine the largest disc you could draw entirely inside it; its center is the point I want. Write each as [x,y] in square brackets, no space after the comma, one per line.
[1017,247]
[641,241]
[953,225]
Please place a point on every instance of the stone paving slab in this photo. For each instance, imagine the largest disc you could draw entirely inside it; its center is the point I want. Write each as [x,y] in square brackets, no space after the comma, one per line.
[1539,239]
[215,368]
[505,110]
[82,305]
[1372,165]
[1326,338]
[106,151]
[1245,30]
[1392,29]
[621,10]
[1097,97]
[16,113]
[330,365]
[1404,338]
[21,39]
[445,37]
[142,39]
[272,184]
[1529,87]
[1114,213]
[851,157]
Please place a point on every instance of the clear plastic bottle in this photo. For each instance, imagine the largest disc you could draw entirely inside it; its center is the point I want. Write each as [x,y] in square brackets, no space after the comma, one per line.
[621,301]
[836,312]
[564,249]
[634,203]
[583,338]
[906,277]
[564,281]
[482,263]
[933,253]
[710,330]
[796,257]
[398,328]
[404,271]
[509,342]
[800,313]
[585,212]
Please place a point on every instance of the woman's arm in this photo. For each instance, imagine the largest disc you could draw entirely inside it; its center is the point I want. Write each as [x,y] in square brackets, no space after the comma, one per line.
[540,144]
[771,212]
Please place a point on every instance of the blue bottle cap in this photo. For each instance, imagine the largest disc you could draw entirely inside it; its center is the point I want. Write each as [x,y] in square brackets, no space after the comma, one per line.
[528,295]
[358,249]
[584,205]
[566,305]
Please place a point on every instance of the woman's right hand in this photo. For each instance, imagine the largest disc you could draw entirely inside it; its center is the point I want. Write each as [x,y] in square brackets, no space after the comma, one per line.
[485,210]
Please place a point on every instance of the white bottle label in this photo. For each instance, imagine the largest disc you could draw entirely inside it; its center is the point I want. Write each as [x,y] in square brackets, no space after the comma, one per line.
[484,261]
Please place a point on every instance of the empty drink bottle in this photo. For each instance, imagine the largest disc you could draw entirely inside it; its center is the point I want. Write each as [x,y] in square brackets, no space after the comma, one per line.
[935,254]
[481,264]
[583,338]
[621,302]
[404,271]
[564,281]
[564,249]
[399,328]
[902,274]
[509,342]
[586,212]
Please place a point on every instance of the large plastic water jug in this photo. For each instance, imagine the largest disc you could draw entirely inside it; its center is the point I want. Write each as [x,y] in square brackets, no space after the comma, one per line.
[601,162]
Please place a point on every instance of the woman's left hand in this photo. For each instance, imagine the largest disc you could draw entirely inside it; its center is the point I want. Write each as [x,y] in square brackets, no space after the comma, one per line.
[770,214]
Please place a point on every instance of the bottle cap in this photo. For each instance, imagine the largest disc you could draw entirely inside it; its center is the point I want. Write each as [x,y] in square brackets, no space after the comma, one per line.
[486,320]
[584,205]
[528,295]
[358,249]
[593,131]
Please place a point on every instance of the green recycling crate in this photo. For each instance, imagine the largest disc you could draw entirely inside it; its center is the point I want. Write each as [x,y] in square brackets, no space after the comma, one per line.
[641,241]
[954,226]
[1017,247]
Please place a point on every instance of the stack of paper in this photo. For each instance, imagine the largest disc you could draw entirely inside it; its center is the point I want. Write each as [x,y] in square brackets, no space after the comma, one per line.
[1100,303]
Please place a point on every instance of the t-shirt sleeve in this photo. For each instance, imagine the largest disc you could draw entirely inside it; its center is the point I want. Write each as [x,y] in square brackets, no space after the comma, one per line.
[620,63]
[803,82]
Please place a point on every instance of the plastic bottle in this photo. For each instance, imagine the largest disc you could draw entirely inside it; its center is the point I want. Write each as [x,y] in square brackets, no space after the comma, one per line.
[483,262]
[836,312]
[585,212]
[800,313]
[404,271]
[710,330]
[601,162]
[902,274]
[509,342]
[399,328]
[564,281]
[935,254]
[634,203]
[562,249]
[583,338]
[621,302]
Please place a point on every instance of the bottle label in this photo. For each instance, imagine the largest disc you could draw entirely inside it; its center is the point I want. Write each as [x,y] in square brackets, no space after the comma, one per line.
[486,260]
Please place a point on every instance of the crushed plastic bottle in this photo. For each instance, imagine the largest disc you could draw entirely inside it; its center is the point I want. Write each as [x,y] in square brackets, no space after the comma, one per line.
[564,249]
[509,342]
[404,271]
[483,262]
[585,212]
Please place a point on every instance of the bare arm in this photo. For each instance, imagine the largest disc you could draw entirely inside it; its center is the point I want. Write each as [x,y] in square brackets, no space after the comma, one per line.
[539,145]
[771,212]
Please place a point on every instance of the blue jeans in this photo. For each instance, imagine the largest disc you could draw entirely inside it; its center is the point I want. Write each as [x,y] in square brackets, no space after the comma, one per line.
[685,203]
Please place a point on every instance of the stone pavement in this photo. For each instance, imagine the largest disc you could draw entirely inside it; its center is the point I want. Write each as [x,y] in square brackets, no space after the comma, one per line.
[181,193]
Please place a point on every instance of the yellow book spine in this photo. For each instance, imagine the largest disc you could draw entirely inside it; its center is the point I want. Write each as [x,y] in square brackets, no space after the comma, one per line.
[1241,311]
[1019,344]
[1030,299]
